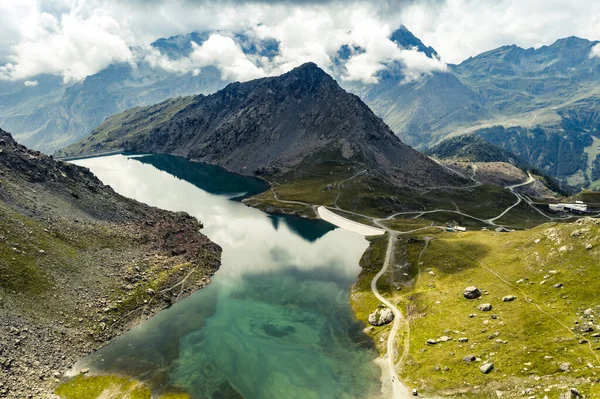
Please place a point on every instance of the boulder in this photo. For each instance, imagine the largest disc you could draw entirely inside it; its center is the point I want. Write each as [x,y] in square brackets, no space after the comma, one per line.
[509,298]
[485,307]
[486,368]
[471,292]
[381,316]
[566,366]
[469,358]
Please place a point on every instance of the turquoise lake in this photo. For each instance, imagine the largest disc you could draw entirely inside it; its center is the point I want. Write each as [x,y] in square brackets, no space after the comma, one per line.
[275,322]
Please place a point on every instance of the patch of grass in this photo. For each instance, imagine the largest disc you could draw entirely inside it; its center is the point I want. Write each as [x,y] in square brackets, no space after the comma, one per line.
[363,300]
[406,224]
[589,197]
[451,218]
[175,396]
[310,191]
[268,204]
[21,262]
[108,386]
[374,197]
[522,216]
[538,331]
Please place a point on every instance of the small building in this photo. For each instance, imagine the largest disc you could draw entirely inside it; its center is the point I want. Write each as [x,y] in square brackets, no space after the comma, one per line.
[557,207]
[577,207]
[454,229]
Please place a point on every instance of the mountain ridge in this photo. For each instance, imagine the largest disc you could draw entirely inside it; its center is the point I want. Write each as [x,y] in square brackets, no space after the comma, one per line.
[270,125]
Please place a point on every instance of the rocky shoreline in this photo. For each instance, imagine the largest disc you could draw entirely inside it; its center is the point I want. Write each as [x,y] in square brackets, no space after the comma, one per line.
[79,265]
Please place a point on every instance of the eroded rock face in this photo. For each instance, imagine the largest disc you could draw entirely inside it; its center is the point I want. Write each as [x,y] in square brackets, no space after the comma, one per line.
[381,316]
[472,293]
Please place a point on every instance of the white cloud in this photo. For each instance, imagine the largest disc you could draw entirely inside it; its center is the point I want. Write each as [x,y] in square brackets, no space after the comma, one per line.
[380,51]
[219,51]
[595,51]
[75,38]
[31,83]
[72,45]
[458,29]
[91,34]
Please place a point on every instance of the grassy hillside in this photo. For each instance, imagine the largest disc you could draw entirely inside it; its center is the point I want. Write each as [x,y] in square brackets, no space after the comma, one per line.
[544,342]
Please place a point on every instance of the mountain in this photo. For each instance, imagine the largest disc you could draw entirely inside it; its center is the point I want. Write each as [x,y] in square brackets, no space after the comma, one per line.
[471,148]
[545,101]
[554,88]
[495,165]
[566,155]
[269,126]
[51,114]
[513,80]
[405,39]
[80,264]
[48,114]
[416,109]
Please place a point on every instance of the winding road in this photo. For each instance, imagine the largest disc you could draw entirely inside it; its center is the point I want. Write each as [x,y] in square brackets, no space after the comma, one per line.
[398,389]
[340,185]
[530,180]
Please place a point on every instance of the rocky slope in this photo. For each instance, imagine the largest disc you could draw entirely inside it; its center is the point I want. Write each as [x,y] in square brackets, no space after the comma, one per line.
[270,126]
[79,264]
[558,152]
[543,99]
[417,110]
[471,148]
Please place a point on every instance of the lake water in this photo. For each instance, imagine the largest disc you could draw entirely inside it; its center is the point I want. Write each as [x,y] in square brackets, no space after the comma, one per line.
[275,322]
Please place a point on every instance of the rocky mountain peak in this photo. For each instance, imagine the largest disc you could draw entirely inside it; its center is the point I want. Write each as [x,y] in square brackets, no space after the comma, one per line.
[274,124]
[406,39]
[307,76]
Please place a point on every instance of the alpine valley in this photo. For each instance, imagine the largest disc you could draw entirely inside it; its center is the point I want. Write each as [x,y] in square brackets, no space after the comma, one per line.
[433,235]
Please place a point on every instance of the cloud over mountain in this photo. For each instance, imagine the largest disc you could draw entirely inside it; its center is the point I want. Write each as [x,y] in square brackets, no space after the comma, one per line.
[76,38]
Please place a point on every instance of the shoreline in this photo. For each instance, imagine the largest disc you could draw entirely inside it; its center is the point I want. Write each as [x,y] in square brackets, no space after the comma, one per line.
[319,213]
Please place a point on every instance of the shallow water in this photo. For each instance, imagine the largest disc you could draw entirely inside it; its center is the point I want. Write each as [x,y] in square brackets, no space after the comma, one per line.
[275,322]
